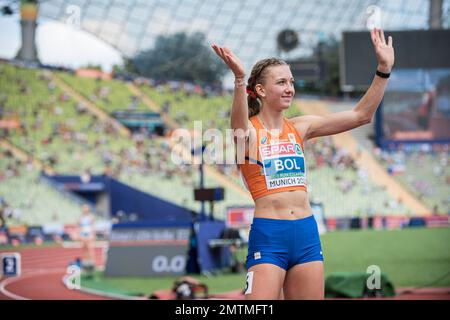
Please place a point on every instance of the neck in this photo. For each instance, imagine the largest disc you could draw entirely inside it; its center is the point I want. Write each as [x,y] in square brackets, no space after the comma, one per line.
[272,119]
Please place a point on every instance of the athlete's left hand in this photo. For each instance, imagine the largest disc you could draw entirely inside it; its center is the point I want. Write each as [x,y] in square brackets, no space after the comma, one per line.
[384,51]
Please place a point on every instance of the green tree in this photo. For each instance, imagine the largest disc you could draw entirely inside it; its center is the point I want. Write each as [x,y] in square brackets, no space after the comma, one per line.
[126,67]
[180,57]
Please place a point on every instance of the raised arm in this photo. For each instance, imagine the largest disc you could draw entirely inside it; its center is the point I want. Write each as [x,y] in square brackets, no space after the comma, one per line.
[239,109]
[316,126]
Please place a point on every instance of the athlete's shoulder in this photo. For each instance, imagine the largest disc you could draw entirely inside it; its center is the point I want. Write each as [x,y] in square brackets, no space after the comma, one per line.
[297,119]
[300,124]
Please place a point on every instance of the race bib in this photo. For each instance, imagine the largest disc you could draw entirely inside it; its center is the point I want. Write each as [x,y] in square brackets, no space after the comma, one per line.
[284,164]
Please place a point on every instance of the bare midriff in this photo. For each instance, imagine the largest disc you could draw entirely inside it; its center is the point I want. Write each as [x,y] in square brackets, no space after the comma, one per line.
[288,205]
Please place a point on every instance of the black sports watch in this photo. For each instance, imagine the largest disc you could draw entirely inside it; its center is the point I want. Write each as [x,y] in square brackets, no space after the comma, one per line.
[383,75]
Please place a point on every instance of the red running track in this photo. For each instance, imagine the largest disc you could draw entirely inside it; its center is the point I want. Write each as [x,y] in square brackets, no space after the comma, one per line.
[43,270]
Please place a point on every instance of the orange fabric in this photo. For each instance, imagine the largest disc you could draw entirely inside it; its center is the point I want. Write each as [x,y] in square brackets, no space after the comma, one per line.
[253,173]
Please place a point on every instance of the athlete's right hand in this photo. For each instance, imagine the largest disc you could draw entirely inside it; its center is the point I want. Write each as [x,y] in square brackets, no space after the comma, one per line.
[231,60]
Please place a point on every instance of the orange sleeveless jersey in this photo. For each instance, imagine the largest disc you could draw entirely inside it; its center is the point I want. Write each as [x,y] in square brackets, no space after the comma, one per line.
[276,165]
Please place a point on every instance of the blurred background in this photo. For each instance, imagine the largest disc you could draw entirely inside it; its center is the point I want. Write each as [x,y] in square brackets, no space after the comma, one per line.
[93,95]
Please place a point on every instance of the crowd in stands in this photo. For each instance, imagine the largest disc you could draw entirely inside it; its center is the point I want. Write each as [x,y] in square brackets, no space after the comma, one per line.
[60,132]
[9,168]
[351,183]
[423,169]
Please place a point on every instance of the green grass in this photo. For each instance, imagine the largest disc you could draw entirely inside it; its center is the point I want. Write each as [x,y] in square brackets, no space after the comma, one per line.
[410,258]
[145,285]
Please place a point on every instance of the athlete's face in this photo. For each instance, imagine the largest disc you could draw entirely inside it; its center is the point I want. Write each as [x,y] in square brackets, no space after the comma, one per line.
[277,91]
[85,209]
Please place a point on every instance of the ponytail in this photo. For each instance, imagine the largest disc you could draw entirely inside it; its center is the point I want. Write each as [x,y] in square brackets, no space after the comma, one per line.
[254,106]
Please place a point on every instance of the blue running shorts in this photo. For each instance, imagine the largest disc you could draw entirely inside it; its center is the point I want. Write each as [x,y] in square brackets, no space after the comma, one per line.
[284,243]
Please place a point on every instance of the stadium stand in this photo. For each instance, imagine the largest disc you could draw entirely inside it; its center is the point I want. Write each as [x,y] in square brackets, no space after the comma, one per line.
[72,141]
[424,171]
[110,95]
[83,144]
[30,201]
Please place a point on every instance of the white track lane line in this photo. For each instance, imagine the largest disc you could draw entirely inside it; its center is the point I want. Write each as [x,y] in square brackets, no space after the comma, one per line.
[30,274]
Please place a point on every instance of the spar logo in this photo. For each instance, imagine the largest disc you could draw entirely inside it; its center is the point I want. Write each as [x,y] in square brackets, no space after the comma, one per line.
[298,150]
[281,149]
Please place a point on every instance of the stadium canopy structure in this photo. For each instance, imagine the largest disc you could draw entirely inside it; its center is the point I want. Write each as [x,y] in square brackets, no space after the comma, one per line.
[248,27]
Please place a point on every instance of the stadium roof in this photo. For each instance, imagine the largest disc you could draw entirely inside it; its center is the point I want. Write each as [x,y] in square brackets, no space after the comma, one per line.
[248,27]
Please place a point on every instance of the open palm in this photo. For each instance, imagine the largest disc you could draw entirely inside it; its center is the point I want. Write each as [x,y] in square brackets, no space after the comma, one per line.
[231,60]
[383,50]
